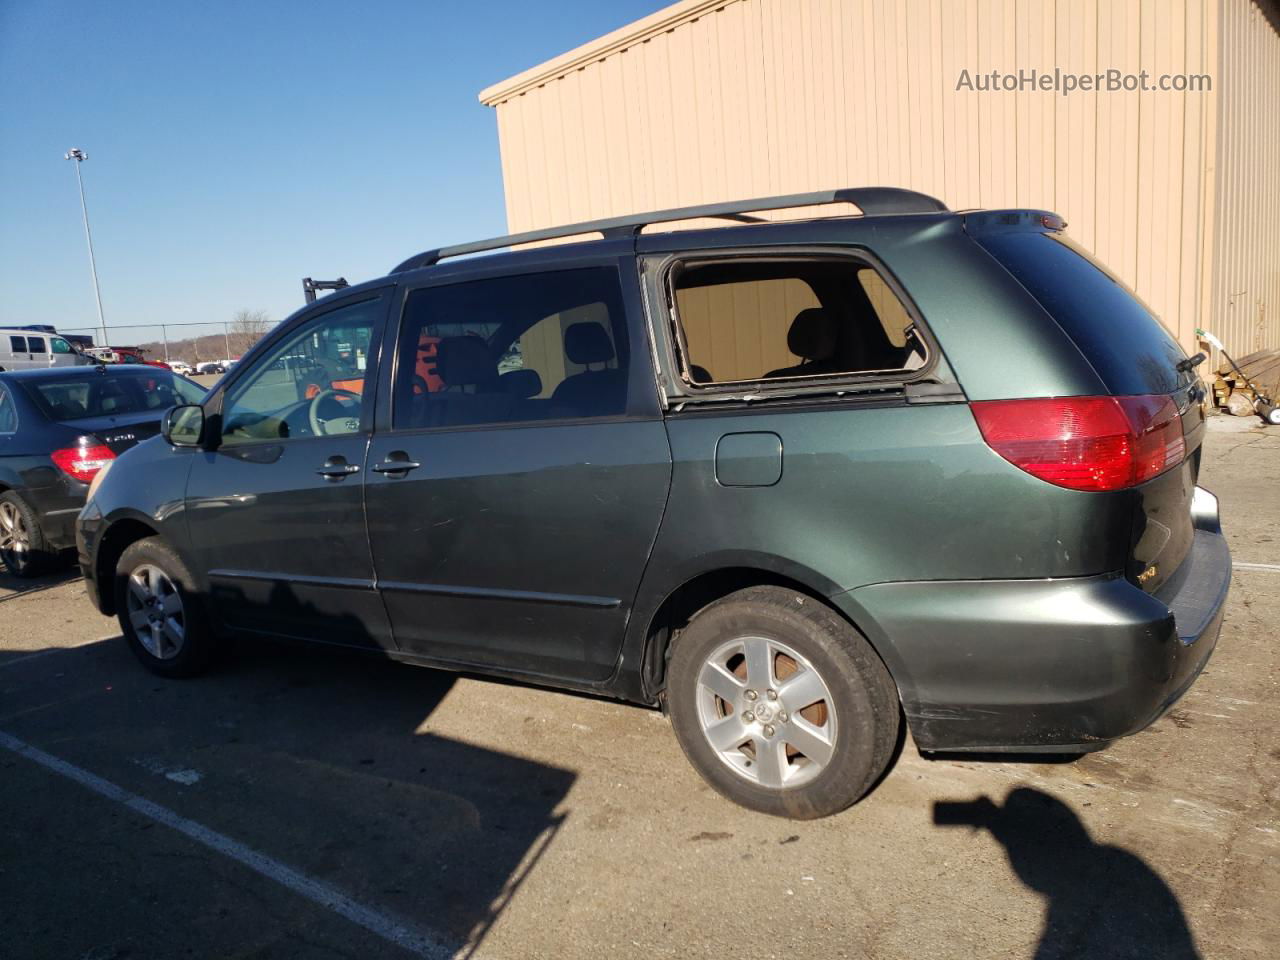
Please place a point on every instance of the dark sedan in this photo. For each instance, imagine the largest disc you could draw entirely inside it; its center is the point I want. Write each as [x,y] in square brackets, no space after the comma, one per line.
[58,429]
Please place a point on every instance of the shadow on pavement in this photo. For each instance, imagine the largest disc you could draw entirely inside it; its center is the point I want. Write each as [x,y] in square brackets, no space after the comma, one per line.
[1103,902]
[12,587]
[318,757]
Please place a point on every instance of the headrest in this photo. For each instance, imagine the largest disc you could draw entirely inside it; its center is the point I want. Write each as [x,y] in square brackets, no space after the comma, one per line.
[465,362]
[813,334]
[521,384]
[587,342]
[699,374]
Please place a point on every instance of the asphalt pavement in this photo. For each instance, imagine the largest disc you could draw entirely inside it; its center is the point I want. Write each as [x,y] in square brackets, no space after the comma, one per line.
[311,803]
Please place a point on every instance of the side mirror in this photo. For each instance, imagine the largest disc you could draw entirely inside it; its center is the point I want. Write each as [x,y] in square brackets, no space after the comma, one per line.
[183,426]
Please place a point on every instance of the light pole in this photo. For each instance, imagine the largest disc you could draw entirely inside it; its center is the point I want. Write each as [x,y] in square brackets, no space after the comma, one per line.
[79,156]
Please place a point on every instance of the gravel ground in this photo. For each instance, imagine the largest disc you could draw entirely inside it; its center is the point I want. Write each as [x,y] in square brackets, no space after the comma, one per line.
[498,820]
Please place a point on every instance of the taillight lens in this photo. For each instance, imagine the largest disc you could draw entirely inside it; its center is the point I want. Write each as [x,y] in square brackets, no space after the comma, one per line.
[1085,443]
[84,460]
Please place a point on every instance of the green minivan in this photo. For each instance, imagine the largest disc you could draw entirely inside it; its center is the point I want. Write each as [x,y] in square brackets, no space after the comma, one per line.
[807,486]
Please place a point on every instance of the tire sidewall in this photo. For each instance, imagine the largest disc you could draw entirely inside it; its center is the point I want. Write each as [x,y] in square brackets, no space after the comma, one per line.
[198,644]
[863,725]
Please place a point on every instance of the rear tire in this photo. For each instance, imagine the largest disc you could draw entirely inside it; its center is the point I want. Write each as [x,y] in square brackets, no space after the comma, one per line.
[24,552]
[780,704]
[160,612]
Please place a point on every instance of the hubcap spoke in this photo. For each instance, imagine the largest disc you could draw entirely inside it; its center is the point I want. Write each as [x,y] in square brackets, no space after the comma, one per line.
[809,740]
[140,620]
[171,605]
[770,762]
[173,632]
[722,683]
[727,733]
[759,666]
[802,689]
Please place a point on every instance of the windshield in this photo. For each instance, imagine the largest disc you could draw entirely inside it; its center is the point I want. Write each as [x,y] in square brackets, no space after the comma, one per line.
[104,395]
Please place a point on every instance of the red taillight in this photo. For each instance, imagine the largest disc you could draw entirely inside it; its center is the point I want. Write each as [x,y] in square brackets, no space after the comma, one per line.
[1085,443]
[84,460]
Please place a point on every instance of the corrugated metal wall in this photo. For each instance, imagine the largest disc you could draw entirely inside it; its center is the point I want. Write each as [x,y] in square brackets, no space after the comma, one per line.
[1245,306]
[754,97]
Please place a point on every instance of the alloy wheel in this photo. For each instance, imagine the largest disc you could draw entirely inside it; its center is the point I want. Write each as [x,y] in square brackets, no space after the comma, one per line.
[156,612]
[15,538]
[767,712]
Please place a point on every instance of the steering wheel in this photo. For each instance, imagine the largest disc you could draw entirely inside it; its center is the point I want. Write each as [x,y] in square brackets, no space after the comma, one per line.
[319,427]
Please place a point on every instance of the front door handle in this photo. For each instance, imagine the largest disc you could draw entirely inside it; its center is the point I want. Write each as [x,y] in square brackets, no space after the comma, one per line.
[397,464]
[337,468]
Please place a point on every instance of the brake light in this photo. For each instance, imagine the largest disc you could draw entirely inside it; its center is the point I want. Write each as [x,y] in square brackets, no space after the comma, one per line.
[1085,443]
[83,461]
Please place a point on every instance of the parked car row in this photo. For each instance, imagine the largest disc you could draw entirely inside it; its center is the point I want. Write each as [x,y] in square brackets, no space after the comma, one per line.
[799,483]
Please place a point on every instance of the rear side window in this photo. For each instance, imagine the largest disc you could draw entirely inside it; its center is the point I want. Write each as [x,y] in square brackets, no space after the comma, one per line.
[8,415]
[1116,332]
[36,345]
[18,344]
[748,319]
[517,349]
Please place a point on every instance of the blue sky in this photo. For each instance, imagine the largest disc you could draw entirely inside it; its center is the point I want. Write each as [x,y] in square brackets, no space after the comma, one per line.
[235,147]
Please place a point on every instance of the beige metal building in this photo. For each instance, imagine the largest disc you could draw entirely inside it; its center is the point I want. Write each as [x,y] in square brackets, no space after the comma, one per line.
[705,100]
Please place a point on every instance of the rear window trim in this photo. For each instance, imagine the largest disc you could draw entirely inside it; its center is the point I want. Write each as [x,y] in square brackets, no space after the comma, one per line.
[681,389]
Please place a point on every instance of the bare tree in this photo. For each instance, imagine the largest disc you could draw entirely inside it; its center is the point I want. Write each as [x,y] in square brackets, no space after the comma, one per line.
[247,328]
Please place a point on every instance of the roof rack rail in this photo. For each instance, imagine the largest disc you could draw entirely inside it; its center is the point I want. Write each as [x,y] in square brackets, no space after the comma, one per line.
[872,201]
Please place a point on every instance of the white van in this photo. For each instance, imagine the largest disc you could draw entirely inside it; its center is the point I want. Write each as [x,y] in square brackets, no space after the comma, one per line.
[33,350]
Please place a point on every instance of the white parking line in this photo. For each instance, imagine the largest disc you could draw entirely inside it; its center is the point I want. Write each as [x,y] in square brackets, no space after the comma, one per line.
[1273,567]
[386,927]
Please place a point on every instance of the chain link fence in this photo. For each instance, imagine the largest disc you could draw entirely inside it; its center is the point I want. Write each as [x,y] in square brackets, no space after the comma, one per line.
[191,342]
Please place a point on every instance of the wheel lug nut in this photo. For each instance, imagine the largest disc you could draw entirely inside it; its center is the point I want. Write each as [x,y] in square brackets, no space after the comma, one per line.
[748,717]
[751,695]
[772,694]
[782,717]
[768,730]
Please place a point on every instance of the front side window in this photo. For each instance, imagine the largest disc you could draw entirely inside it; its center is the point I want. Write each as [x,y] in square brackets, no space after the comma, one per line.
[312,383]
[750,320]
[8,415]
[18,344]
[512,350]
[61,346]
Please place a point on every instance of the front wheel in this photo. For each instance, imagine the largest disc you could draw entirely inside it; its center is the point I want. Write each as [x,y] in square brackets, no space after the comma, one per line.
[780,704]
[159,611]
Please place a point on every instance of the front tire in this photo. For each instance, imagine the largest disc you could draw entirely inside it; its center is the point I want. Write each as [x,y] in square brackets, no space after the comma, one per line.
[780,704]
[159,610]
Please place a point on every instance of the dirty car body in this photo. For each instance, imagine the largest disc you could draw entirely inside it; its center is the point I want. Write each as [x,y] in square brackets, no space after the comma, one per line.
[1021,589]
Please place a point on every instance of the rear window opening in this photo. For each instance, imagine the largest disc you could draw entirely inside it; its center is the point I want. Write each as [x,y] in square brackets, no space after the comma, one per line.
[752,320]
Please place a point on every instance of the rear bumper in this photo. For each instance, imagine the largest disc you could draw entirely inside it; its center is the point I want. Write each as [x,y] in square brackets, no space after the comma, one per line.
[1046,665]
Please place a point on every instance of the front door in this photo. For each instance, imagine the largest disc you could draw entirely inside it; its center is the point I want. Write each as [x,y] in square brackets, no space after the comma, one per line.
[514,501]
[276,511]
